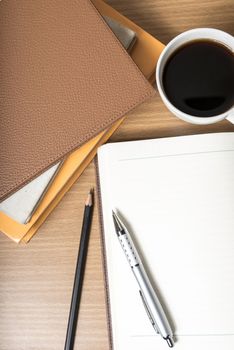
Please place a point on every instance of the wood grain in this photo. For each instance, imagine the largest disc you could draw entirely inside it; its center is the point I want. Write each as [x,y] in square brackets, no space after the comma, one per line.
[36,280]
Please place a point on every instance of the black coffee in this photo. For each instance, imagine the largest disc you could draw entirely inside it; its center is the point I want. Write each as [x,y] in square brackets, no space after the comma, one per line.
[198,78]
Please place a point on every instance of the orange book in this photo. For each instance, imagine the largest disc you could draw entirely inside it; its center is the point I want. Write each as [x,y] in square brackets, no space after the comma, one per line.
[145,54]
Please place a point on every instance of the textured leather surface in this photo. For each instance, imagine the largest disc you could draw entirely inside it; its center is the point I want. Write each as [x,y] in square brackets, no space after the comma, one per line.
[64,77]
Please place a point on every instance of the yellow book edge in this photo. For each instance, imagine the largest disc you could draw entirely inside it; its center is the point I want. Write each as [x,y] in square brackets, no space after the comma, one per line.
[69,183]
[145,54]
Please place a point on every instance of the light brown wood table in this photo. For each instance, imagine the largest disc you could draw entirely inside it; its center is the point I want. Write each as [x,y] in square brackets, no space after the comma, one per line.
[36,280]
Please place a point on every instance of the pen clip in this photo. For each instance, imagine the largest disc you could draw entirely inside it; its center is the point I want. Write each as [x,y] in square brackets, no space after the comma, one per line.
[148,311]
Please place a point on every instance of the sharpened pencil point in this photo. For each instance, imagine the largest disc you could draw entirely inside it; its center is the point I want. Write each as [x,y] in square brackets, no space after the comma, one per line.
[89,200]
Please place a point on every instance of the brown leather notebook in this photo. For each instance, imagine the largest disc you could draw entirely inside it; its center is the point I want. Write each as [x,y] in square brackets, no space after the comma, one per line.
[64,78]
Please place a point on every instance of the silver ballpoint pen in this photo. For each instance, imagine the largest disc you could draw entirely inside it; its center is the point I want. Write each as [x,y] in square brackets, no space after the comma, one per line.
[150,300]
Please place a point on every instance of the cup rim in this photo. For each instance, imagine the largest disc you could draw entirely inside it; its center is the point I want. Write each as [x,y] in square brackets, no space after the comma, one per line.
[159,69]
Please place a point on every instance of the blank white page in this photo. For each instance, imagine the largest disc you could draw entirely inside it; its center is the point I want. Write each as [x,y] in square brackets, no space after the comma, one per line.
[176,196]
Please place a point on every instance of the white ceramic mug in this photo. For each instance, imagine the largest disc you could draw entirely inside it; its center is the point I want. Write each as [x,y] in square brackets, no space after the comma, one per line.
[184,38]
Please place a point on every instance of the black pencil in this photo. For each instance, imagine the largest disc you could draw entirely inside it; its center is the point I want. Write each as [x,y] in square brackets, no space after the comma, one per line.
[79,274]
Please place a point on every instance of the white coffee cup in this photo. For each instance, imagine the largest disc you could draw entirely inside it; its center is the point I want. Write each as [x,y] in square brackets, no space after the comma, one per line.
[184,38]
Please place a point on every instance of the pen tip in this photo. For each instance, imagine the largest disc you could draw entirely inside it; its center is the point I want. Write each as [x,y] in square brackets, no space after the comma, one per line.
[114,216]
[117,223]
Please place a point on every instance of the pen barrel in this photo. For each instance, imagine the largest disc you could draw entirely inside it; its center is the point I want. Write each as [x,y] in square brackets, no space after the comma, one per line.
[150,299]
[152,302]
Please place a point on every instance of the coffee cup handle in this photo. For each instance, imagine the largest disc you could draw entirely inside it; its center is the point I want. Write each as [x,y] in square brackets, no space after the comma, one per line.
[230,117]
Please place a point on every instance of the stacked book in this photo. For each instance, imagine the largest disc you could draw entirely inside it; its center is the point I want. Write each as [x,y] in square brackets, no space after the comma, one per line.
[36,171]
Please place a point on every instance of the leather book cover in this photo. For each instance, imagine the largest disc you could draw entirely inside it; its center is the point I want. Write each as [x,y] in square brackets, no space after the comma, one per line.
[65,77]
[146,46]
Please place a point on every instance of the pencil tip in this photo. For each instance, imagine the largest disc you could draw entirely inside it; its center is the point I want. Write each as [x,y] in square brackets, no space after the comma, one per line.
[89,200]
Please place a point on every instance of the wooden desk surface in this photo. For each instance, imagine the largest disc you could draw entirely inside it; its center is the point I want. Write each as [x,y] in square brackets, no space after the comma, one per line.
[36,280]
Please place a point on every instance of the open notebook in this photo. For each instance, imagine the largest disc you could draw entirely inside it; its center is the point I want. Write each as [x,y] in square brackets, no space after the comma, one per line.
[177,197]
